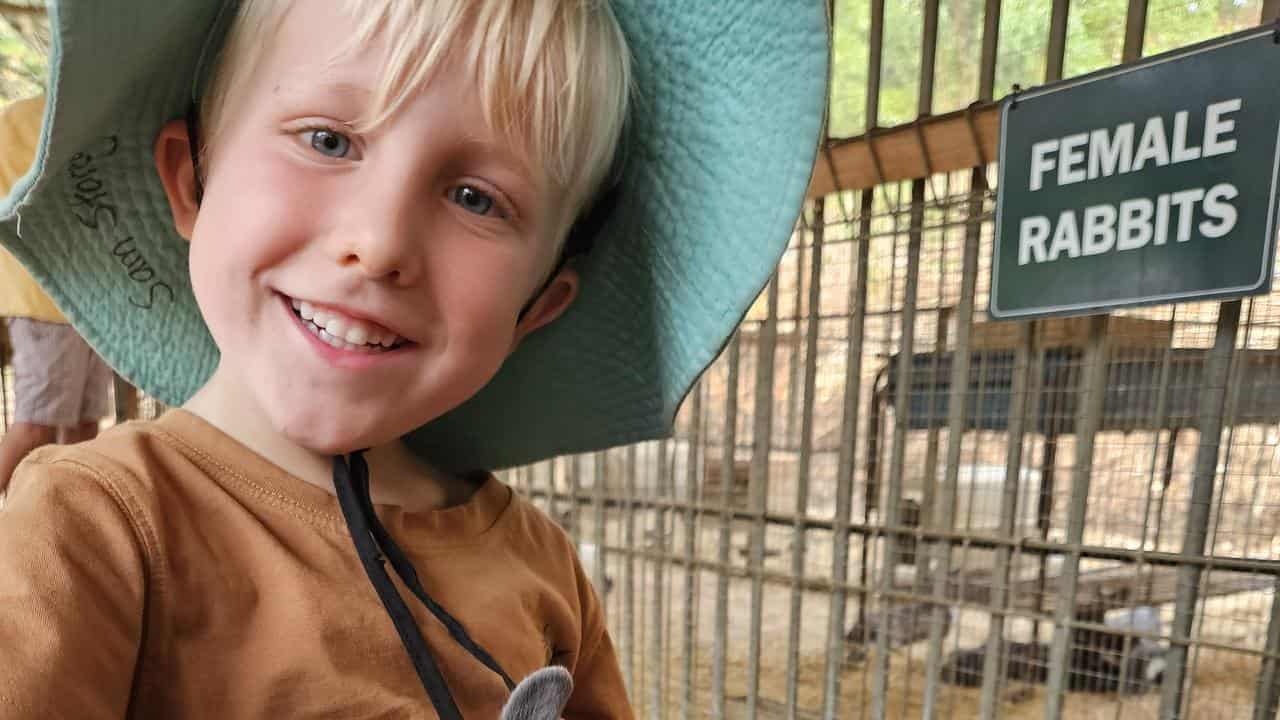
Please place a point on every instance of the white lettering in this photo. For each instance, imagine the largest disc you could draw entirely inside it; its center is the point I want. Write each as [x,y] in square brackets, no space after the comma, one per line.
[1216,208]
[1072,157]
[1099,229]
[1110,153]
[1153,145]
[1041,161]
[1162,219]
[1135,224]
[1182,153]
[1032,232]
[1215,127]
[1066,237]
[1185,201]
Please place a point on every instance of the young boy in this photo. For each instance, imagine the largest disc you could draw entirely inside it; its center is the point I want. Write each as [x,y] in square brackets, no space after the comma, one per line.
[377,208]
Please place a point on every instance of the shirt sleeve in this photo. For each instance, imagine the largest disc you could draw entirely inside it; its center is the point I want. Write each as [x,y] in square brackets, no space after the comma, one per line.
[599,691]
[72,591]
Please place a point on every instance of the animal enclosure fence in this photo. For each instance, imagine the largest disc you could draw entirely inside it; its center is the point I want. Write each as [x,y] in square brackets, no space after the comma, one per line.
[880,504]
[875,507]
[932,502]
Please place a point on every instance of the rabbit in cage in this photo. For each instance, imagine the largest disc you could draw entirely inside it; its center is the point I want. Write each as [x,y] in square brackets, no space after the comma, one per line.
[1101,659]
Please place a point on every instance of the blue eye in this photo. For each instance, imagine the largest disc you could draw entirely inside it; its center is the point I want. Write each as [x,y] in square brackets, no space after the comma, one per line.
[471,199]
[330,143]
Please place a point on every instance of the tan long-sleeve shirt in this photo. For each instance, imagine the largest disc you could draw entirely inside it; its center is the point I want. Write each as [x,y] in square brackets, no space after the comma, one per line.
[164,570]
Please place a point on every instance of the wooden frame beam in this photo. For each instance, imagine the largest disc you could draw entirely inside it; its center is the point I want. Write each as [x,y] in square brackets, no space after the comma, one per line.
[13,9]
[955,141]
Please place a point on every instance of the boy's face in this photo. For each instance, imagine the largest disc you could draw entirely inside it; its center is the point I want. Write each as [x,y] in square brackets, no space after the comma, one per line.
[426,234]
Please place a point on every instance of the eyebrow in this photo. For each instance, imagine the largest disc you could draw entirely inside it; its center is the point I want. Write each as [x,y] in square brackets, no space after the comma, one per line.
[496,152]
[347,88]
[489,151]
[296,87]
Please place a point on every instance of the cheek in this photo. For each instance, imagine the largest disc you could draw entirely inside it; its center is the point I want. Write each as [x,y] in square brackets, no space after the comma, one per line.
[252,217]
[481,294]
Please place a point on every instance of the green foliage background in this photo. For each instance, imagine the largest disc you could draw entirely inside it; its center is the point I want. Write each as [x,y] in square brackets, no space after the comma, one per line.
[24,34]
[1095,39]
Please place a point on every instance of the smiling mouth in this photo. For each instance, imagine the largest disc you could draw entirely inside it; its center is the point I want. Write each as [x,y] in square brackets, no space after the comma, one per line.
[344,333]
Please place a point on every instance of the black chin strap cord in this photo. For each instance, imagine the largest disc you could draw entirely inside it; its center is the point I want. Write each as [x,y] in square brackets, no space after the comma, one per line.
[374,544]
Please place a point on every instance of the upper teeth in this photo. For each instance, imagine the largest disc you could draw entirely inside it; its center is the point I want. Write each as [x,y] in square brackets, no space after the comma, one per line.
[341,327]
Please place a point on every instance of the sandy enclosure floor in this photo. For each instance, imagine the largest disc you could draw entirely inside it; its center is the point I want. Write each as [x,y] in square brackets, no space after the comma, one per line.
[654,606]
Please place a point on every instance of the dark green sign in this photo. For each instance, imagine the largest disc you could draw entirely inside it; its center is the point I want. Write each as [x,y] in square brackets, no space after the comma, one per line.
[1152,183]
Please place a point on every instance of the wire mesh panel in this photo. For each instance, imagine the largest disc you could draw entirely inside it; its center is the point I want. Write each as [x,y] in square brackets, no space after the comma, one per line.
[926,493]
[849,524]
[966,495]
[880,503]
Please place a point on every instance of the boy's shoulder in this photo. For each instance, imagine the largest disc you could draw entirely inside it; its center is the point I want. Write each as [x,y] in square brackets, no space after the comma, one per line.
[539,538]
[116,455]
[127,461]
[115,483]
[533,523]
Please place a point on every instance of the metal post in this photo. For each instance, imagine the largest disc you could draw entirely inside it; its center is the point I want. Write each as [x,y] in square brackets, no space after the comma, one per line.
[990,46]
[844,481]
[1161,418]
[806,447]
[629,573]
[1135,27]
[719,650]
[574,518]
[667,568]
[1213,393]
[928,56]
[126,399]
[897,459]
[598,530]
[658,617]
[553,501]
[1267,701]
[690,548]
[993,668]
[871,490]
[875,52]
[928,497]
[871,474]
[1057,40]
[761,434]
[957,410]
[875,48]
[794,371]
[1044,499]
[1088,422]
[1054,61]
[957,413]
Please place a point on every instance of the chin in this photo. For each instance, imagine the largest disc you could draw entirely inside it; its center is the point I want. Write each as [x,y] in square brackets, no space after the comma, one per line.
[333,435]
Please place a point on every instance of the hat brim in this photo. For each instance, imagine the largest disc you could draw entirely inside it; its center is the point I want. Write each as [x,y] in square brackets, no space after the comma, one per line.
[730,105]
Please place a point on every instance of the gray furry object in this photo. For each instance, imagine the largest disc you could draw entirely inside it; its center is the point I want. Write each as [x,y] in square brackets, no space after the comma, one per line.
[540,696]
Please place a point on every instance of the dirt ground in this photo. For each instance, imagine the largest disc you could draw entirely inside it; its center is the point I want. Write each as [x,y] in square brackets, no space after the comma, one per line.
[1223,683]
[1222,688]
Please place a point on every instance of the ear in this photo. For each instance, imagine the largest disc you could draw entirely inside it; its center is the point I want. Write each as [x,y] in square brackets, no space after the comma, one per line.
[173,163]
[550,305]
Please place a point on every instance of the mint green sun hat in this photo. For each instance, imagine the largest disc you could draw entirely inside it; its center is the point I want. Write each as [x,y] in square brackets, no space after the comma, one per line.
[717,165]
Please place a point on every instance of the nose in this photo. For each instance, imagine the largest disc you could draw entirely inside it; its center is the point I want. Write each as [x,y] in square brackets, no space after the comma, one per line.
[384,237]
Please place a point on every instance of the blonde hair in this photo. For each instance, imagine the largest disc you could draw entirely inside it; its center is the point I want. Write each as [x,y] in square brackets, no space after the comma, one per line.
[554,75]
